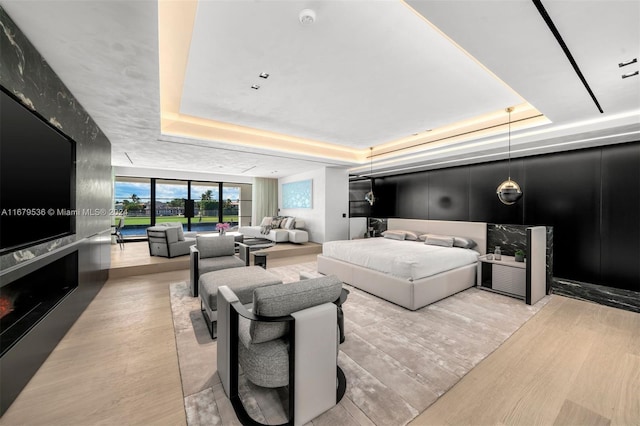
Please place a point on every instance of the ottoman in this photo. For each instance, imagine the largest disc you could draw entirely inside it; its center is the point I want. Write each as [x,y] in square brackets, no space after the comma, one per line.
[241,280]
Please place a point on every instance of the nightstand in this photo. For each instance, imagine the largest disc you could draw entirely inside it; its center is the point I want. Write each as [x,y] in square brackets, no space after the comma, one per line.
[505,276]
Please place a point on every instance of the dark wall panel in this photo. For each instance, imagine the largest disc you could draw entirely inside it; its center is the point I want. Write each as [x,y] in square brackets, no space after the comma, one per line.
[563,191]
[620,236]
[591,197]
[412,196]
[484,205]
[385,190]
[449,194]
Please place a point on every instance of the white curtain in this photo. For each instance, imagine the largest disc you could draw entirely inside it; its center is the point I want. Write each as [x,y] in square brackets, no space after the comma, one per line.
[265,199]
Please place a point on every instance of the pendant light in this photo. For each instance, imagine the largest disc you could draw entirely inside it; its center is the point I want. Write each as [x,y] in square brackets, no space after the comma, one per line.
[509,191]
[369,196]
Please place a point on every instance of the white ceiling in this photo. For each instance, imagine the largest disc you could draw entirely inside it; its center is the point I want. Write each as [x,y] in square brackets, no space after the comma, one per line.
[363,74]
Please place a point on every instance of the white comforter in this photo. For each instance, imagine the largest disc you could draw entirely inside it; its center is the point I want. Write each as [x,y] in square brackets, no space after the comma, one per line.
[410,260]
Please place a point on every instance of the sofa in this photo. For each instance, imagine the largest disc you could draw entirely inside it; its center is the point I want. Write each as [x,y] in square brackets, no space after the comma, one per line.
[278,229]
[168,239]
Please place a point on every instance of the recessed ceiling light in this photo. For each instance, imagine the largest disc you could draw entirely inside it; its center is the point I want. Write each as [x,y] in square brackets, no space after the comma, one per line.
[264,75]
[307,16]
[255,86]
[631,74]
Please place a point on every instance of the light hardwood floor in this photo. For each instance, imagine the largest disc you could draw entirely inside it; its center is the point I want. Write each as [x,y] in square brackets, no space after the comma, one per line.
[573,363]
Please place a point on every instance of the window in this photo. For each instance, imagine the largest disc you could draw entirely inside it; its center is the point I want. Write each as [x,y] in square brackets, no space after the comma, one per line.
[206,196]
[230,203]
[170,196]
[132,197]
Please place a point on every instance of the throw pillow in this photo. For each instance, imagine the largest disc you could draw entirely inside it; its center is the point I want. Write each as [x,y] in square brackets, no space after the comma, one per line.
[288,224]
[180,233]
[266,221]
[275,221]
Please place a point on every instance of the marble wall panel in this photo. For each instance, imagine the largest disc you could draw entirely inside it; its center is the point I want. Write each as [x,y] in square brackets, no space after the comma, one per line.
[26,74]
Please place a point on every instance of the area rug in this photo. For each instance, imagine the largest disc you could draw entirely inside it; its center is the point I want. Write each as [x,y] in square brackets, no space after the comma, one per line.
[397,362]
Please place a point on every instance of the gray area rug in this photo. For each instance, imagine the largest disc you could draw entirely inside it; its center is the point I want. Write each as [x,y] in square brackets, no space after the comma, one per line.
[397,362]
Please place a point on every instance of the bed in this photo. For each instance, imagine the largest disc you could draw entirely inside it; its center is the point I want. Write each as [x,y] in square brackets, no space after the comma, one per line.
[394,271]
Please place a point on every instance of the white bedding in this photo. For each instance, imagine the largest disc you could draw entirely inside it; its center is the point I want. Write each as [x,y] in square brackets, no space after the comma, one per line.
[409,260]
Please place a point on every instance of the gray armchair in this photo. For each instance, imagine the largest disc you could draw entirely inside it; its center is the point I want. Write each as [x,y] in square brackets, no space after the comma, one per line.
[213,253]
[169,240]
[289,339]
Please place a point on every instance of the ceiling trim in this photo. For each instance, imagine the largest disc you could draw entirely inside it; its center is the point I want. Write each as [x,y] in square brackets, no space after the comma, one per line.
[176,23]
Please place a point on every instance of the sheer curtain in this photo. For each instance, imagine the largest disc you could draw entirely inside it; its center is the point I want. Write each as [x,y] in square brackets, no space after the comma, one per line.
[265,199]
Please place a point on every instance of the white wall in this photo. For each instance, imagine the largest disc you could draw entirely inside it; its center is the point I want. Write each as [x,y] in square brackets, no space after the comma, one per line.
[336,215]
[357,227]
[324,220]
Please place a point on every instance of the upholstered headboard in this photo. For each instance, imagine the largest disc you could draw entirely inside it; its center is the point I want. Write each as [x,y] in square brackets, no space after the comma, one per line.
[474,230]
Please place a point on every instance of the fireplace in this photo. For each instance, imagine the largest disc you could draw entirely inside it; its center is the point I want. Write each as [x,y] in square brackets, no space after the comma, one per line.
[28,299]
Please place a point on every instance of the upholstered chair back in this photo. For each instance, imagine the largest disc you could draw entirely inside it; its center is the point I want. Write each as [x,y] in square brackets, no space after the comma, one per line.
[209,246]
[285,299]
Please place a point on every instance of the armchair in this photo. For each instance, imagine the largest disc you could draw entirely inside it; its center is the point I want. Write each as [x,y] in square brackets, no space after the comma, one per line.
[214,252]
[169,240]
[289,339]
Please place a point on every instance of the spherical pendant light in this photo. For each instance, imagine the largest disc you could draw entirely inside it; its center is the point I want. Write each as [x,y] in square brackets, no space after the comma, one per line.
[509,191]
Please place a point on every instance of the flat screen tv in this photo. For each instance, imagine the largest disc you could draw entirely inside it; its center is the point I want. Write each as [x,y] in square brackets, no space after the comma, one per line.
[37,178]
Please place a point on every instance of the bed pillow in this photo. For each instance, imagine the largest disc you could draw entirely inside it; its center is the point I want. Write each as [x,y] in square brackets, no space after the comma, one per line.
[439,240]
[464,242]
[394,235]
[408,235]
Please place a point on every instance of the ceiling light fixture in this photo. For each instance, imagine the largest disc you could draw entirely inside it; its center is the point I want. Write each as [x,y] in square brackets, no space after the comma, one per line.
[629,62]
[255,86]
[369,195]
[509,191]
[307,16]
[630,74]
[264,75]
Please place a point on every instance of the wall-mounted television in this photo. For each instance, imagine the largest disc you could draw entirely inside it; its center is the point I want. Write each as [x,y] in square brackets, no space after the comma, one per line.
[37,177]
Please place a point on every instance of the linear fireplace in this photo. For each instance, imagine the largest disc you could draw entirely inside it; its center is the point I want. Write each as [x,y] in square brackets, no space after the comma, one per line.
[28,299]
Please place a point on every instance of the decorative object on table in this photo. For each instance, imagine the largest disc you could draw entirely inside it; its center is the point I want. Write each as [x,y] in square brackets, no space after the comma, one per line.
[519,255]
[222,228]
[489,256]
[369,195]
[497,254]
[509,191]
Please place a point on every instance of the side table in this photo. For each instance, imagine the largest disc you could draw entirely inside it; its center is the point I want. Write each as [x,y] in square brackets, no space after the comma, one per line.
[260,259]
[504,276]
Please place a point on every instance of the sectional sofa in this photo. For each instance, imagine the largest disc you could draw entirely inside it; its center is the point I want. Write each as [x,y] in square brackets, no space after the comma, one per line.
[278,234]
